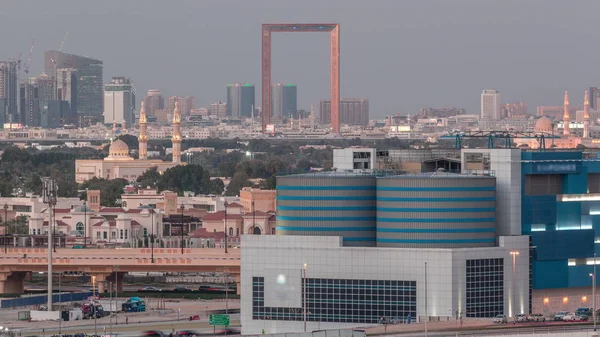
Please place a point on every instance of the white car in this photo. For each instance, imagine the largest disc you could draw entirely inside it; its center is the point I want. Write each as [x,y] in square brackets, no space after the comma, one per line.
[520,318]
[569,317]
[501,319]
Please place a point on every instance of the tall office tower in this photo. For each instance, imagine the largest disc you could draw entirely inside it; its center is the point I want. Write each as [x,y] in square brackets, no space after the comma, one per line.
[594,95]
[176,134]
[67,91]
[45,91]
[566,116]
[89,105]
[218,109]
[119,101]
[490,107]
[284,98]
[240,99]
[186,104]
[154,101]
[29,107]
[8,92]
[353,111]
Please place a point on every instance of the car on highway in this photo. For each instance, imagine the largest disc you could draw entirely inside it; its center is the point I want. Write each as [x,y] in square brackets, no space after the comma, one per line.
[520,318]
[569,317]
[149,290]
[183,290]
[502,319]
[152,333]
[560,316]
[536,318]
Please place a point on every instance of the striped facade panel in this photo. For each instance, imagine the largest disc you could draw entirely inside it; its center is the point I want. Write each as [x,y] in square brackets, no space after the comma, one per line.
[317,205]
[436,212]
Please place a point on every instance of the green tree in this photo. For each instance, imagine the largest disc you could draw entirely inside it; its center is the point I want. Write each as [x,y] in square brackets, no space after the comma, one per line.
[110,190]
[227,169]
[149,178]
[34,183]
[131,141]
[239,181]
[186,178]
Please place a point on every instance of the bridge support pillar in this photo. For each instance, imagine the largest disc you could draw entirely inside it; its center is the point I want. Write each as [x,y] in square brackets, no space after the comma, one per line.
[12,283]
[100,285]
[116,278]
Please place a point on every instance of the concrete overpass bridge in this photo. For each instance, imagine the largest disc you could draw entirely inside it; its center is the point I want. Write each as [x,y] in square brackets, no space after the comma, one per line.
[110,265]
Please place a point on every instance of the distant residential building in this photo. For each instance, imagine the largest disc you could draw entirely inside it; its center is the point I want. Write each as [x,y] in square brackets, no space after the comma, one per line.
[90,102]
[119,101]
[67,91]
[8,92]
[256,199]
[441,112]
[594,97]
[154,101]
[218,109]
[29,107]
[240,100]
[353,111]
[45,84]
[490,104]
[512,110]
[186,104]
[284,97]
[55,115]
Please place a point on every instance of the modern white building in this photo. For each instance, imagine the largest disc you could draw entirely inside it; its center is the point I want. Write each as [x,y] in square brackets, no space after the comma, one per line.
[354,158]
[490,104]
[343,287]
[119,101]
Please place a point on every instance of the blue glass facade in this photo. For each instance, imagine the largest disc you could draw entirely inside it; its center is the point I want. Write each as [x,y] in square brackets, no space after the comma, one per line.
[561,230]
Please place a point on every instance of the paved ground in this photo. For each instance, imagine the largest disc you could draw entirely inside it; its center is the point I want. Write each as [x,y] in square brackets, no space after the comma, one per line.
[174,309]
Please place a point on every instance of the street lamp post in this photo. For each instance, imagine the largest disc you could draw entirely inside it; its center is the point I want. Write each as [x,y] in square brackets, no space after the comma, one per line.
[182,208]
[304,294]
[593,275]
[94,305]
[85,223]
[225,229]
[253,217]
[152,235]
[514,271]
[5,228]
[426,306]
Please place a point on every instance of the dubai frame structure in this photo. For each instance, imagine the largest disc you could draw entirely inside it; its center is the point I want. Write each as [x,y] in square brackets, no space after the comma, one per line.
[334,52]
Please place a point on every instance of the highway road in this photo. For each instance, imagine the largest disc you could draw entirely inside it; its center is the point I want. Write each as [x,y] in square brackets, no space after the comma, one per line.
[134,329]
[496,330]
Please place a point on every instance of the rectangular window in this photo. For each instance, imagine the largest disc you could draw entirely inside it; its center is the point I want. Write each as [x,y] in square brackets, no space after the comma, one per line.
[593,182]
[105,235]
[543,184]
[98,235]
[485,287]
[342,300]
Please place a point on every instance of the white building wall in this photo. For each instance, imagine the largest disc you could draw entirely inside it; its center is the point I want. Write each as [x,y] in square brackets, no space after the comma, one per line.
[343,159]
[506,167]
[114,107]
[269,256]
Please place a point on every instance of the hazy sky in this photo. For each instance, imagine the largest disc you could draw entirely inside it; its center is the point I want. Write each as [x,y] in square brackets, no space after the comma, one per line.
[402,55]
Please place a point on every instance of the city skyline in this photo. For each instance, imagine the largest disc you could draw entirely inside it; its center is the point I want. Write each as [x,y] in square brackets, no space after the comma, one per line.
[387,47]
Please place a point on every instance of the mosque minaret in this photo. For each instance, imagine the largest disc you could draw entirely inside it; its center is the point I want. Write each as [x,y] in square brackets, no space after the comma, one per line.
[566,117]
[586,115]
[176,134]
[143,137]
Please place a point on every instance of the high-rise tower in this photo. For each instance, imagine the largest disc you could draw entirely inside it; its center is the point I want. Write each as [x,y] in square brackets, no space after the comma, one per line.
[8,92]
[143,138]
[566,117]
[586,115]
[176,134]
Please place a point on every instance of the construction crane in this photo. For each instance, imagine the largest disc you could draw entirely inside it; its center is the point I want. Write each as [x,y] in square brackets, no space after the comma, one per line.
[29,59]
[54,60]
[492,136]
